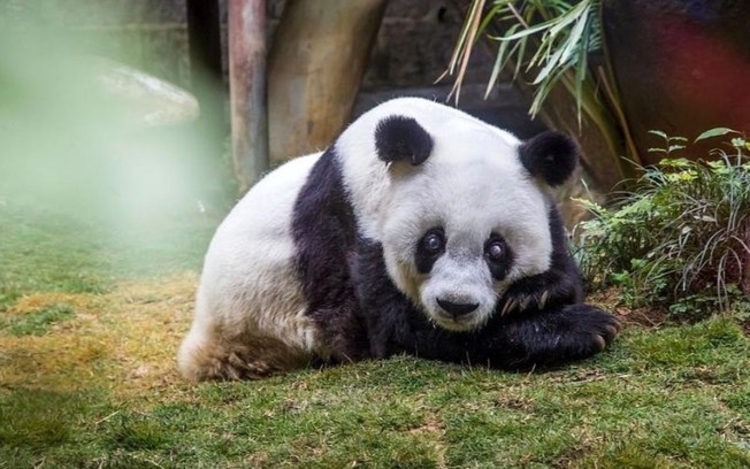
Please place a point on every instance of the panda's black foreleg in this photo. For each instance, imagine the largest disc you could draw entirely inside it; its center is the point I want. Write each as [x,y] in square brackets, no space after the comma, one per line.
[551,336]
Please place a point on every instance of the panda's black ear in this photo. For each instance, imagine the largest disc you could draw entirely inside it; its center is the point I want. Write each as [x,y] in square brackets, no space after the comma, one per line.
[553,156]
[402,138]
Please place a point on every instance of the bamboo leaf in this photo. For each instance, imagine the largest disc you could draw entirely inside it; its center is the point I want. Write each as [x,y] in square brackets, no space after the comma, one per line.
[529,31]
[659,133]
[552,64]
[561,34]
[500,61]
[715,132]
[581,69]
[490,15]
[521,55]
[566,19]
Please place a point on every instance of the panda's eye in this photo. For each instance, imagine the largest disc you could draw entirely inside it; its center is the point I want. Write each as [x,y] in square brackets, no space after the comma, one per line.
[495,251]
[498,255]
[429,249]
[433,242]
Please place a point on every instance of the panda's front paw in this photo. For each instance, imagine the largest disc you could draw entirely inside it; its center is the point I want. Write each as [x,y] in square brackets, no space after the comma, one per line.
[585,330]
[571,333]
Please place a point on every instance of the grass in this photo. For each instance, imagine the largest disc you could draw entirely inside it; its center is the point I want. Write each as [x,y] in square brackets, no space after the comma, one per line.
[90,323]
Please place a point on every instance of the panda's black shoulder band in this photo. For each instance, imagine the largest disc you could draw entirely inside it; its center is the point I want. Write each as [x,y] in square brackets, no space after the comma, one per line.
[402,138]
[551,155]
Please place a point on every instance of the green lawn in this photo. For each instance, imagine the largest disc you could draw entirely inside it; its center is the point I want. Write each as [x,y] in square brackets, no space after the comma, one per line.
[90,319]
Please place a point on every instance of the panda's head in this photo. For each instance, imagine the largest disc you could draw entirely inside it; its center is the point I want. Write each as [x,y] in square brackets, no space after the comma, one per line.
[466,213]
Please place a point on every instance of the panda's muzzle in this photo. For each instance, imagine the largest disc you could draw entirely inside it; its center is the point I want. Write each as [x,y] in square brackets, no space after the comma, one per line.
[457,309]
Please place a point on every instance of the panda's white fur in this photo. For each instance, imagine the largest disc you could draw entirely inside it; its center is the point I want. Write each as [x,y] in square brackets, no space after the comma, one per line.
[252,314]
[249,300]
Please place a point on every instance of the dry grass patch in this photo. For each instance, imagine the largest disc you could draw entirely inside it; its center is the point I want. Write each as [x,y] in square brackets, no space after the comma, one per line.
[124,341]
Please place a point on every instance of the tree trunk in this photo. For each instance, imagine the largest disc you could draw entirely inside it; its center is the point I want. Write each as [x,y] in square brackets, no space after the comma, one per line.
[316,64]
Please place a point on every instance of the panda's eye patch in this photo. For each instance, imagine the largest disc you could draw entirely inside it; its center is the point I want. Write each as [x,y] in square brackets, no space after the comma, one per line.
[498,256]
[429,248]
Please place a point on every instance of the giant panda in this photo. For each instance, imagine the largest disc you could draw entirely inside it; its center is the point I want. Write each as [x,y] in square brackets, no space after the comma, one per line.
[420,230]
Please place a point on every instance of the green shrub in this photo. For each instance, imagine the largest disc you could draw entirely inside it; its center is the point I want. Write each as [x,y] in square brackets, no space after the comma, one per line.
[681,240]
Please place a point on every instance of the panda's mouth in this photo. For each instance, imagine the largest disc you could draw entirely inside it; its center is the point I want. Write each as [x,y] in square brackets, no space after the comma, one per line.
[464,322]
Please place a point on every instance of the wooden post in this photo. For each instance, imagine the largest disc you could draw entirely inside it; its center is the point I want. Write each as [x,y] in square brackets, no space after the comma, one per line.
[247,84]
[316,64]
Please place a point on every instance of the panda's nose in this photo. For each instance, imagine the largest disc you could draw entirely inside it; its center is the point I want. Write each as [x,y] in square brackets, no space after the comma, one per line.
[457,309]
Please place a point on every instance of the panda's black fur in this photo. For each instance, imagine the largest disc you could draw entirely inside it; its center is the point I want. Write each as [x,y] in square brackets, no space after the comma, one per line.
[344,304]
[325,235]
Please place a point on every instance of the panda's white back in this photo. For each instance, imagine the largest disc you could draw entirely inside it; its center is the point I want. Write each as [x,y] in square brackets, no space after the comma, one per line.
[248,287]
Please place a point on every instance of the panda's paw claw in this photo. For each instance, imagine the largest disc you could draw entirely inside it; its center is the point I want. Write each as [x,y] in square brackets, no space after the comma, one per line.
[601,342]
[607,330]
[542,299]
[510,306]
[613,330]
